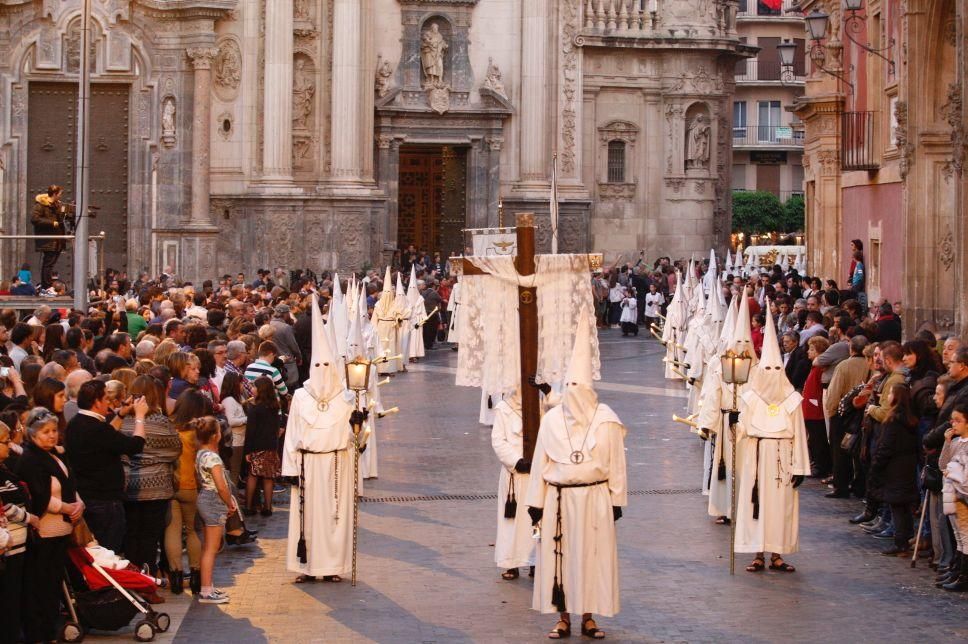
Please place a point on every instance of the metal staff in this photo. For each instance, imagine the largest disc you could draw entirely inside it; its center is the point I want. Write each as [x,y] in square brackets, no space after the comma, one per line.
[357,431]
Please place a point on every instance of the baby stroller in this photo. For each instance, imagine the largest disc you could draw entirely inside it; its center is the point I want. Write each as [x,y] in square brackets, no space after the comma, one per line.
[109,602]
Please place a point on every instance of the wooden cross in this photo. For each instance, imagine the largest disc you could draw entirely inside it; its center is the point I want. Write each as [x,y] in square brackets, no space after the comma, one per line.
[527,323]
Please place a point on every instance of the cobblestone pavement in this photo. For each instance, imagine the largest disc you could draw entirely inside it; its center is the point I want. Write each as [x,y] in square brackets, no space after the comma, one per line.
[426,564]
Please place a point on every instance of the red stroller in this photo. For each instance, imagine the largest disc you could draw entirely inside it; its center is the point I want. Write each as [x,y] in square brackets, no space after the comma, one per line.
[110,600]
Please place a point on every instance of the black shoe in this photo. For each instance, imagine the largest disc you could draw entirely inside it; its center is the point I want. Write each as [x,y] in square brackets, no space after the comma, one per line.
[267,512]
[176,581]
[896,551]
[837,495]
[239,539]
[960,583]
[251,533]
[862,518]
[195,581]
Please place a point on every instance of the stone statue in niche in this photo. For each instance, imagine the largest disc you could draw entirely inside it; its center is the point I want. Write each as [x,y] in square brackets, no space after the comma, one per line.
[494,80]
[432,48]
[383,74]
[697,143]
[303,92]
[228,65]
[168,121]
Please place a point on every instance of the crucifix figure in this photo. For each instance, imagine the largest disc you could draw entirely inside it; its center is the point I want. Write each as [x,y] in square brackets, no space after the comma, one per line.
[527,301]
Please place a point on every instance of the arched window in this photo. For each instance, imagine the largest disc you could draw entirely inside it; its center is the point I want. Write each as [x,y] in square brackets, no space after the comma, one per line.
[616,161]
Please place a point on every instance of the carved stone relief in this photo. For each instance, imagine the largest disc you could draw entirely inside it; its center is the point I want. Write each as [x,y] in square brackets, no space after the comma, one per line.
[168,121]
[905,149]
[225,125]
[616,191]
[952,112]
[570,30]
[228,69]
[697,141]
[829,162]
[303,92]
[494,80]
[384,76]
[946,248]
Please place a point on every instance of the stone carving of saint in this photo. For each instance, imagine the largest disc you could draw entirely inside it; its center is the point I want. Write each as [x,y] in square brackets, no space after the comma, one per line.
[168,117]
[303,92]
[494,80]
[383,74]
[432,48]
[697,143]
[228,66]
[300,10]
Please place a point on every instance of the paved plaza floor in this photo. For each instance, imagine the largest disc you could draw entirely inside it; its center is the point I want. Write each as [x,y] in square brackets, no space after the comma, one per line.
[426,545]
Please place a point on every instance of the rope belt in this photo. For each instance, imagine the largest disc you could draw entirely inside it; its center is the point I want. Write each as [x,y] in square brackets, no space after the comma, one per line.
[558,587]
[301,545]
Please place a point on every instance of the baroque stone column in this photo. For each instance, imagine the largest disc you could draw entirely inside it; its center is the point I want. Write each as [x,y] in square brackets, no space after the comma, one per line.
[534,92]
[347,160]
[201,58]
[277,94]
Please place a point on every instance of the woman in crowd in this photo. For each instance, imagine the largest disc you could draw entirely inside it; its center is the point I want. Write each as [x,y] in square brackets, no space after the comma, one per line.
[236,418]
[813,416]
[185,369]
[893,473]
[52,395]
[149,477]
[942,537]
[53,340]
[924,364]
[206,374]
[190,405]
[262,431]
[14,499]
[54,498]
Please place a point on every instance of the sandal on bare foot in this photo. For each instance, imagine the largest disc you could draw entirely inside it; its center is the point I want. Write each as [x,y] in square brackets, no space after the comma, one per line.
[592,631]
[305,579]
[782,566]
[333,579]
[510,574]
[757,566]
[723,520]
[561,630]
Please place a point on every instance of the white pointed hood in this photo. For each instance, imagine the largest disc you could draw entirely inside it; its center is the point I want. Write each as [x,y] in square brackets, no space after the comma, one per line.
[413,293]
[384,306]
[400,290]
[354,340]
[709,279]
[742,339]
[785,265]
[768,378]
[728,266]
[324,380]
[729,325]
[580,400]
[338,317]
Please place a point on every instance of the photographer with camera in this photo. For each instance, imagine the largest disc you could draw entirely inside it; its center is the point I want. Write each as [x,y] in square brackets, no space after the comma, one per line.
[48,219]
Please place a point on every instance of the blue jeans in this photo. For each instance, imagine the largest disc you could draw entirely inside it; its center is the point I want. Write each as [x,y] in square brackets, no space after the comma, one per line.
[106,519]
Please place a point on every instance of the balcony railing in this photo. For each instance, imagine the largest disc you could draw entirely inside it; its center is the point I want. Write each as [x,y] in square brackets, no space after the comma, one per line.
[617,16]
[753,69]
[858,131]
[760,8]
[787,136]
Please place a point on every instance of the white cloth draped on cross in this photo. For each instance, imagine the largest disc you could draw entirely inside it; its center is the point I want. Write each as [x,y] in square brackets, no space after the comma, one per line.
[490,347]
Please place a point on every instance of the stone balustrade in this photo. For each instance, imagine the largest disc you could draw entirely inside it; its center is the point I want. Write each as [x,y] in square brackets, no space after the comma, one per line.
[619,17]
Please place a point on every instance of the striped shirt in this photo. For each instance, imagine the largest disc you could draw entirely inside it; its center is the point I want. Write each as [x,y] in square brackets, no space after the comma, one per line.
[262,368]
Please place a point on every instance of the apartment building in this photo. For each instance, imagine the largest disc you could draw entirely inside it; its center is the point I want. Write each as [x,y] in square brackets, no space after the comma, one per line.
[767,139]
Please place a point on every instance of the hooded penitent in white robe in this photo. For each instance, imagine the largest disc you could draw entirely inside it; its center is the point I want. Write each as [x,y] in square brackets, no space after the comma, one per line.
[716,396]
[578,475]
[673,330]
[319,449]
[513,546]
[417,313]
[387,322]
[771,450]
[453,305]
[406,326]
[338,317]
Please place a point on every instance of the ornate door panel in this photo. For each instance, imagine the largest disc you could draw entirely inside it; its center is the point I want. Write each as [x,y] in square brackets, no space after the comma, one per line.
[432,206]
[51,158]
[109,170]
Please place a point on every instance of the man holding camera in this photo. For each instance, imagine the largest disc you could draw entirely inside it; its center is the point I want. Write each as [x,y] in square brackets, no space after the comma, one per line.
[48,219]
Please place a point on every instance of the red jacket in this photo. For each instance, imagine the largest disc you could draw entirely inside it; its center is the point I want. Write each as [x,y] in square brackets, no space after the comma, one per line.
[813,390]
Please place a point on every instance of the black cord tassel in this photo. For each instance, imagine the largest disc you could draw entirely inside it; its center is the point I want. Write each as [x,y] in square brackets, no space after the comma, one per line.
[558,597]
[756,485]
[490,404]
[301,550]
[558,588]
[511,503]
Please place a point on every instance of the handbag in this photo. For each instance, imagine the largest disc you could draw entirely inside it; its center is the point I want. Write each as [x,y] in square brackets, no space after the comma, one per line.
[931,478]
[849,442]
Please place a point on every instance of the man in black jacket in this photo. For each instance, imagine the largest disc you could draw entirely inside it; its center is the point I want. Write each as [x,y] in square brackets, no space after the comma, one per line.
[47,219]
[95,448]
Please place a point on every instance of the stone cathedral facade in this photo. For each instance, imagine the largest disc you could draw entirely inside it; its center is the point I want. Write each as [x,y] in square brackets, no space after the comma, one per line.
[233,134]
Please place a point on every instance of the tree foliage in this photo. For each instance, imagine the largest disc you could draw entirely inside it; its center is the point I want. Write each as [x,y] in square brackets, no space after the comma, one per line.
[793,214]
[756,212]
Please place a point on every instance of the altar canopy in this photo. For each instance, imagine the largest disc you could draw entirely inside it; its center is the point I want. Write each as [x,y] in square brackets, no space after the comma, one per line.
[490,347]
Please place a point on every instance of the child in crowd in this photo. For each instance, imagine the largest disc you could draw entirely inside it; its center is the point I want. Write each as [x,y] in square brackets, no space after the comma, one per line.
[653,305]
[24,274]
[954,463]
[215,502]
[630,313]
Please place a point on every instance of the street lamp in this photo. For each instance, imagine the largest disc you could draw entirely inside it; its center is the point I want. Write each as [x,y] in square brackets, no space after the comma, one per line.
[736,371]
[854,24]
[788,53]
[817,24]
[357,380]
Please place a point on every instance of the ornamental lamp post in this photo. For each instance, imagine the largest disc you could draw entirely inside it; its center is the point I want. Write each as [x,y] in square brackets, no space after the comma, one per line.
[736,372]
[357,380]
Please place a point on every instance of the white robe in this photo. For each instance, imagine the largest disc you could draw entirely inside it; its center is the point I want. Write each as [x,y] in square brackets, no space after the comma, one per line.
[513,546]
[453,305]
[328,528]
[590,559]
[417,313]
[778,526]
[716,396]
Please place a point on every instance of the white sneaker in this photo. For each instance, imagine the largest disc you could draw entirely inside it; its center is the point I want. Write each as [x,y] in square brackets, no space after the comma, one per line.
[215,597]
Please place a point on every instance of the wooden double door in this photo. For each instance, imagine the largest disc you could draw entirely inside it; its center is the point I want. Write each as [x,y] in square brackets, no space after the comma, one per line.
[432,207]
[52,157]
